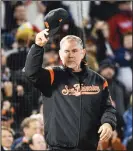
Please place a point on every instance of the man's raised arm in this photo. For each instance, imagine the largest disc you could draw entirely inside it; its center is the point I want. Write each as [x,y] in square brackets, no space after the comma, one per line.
[41,78]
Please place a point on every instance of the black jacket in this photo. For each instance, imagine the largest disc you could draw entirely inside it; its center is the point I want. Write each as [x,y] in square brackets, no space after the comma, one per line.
[77,107]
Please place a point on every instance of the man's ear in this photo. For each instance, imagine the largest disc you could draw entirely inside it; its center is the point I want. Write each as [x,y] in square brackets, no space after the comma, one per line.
[60,54]
[83,53]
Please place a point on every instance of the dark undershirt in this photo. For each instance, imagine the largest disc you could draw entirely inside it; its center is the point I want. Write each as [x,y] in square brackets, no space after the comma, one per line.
[79,74]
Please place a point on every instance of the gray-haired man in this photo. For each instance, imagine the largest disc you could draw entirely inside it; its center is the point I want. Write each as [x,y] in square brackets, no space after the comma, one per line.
[80,104]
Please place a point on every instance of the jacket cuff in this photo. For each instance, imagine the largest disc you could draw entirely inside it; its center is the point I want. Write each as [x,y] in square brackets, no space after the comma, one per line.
[113,125]
[107,119]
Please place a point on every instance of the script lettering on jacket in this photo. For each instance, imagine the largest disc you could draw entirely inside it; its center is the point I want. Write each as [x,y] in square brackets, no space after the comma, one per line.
[77,90]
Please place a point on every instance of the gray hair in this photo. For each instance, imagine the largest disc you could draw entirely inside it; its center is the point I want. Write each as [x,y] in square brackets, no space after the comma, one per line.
[72,37]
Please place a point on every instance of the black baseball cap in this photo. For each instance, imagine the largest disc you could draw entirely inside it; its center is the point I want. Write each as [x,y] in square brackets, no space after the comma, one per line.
[54,19]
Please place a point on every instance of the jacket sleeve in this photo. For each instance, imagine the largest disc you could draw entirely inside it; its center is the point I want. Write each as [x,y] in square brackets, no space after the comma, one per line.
[40,77]
[109,112]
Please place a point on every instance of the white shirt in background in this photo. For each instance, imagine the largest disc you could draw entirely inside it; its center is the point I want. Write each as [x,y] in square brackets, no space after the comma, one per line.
[34,16]
[2,15]
[79,10]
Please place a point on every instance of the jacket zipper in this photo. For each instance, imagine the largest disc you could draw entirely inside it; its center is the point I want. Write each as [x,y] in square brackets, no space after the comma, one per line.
[80,110]
[80,116]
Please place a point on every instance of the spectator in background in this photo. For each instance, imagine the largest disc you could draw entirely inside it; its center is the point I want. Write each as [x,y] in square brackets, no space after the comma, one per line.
[7,113]
[25,33]
[120,24]
[6,85]
[19,15]
[6,121]
[24,39]
[100,32]
[19,101]
[108,70]
[37,17]
[7,16]
[18,18]
[14,17]
[5,74]
[29,127]
[16,57]
[39,117]
[16,61]
[124,57]
[128,123]
[6,138]
[37,142]
[91,51]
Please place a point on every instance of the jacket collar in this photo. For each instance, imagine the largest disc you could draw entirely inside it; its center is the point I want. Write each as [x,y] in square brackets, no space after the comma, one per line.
[83,67]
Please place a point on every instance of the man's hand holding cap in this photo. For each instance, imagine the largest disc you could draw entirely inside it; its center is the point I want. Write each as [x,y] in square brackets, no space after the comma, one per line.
[41,38]
[53,20]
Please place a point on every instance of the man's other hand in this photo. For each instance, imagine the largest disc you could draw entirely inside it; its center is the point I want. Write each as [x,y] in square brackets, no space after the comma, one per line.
[106,132]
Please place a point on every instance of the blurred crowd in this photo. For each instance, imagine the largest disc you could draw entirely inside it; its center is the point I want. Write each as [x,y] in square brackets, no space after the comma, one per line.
[106,30]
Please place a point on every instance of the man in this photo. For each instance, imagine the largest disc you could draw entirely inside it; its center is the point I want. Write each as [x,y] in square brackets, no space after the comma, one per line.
[30,126]
[78,97]
[6,138]
[37,142]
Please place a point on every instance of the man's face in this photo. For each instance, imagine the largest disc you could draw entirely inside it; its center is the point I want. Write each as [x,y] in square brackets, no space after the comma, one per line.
[38,142]
[7,139]
[108,73]
[20,13]
[34,127]
[71,54]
